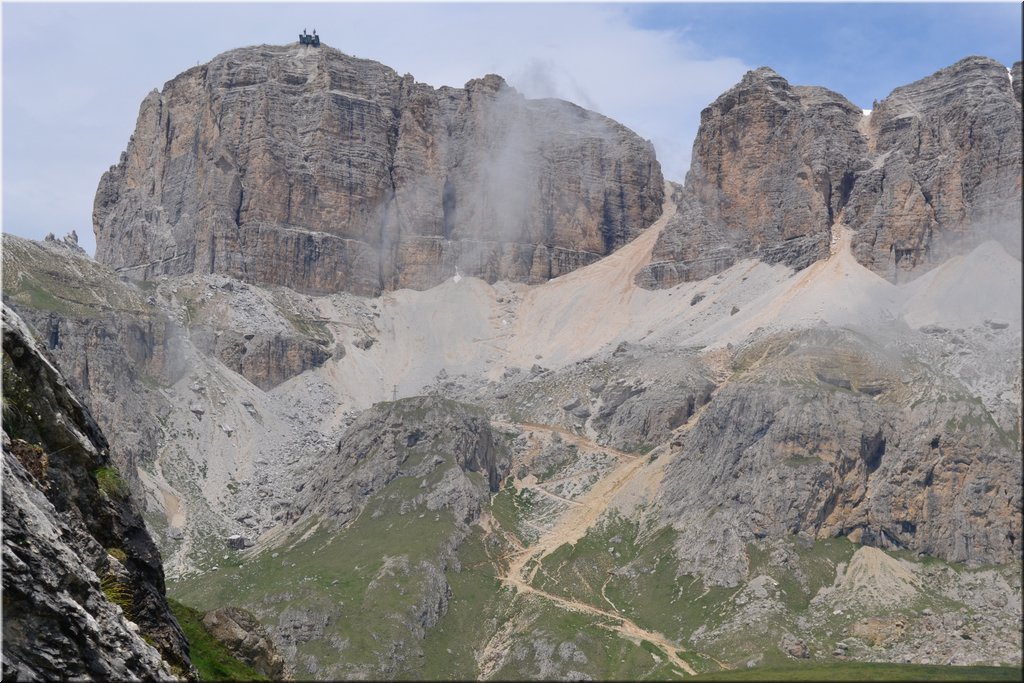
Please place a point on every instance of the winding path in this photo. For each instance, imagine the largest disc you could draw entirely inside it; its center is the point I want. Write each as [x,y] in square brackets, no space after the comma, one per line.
[570,528]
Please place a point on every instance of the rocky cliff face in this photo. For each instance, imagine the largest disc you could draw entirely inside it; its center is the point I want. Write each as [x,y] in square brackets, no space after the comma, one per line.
[1016,75]
[313,169]
[829,433]
[83,582]
[945,170]
[257,333]
[934,168]
[767,177]
[415,437]
[110,337]
[109,341]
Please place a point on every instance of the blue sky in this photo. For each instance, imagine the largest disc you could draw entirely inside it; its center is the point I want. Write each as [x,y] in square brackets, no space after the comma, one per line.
[74,74]
[862,50]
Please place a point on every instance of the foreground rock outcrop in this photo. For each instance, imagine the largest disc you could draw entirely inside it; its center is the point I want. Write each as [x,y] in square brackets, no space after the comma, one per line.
[323,172]
[933,170]
[83,582]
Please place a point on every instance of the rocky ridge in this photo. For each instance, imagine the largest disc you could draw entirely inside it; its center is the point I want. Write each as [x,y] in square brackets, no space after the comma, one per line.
[383,512]
[308,168]
[378,446]
[109,339]
[853,430]
[83,581]
[933,170]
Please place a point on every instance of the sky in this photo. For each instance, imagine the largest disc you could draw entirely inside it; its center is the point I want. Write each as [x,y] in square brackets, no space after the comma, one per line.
[74,74]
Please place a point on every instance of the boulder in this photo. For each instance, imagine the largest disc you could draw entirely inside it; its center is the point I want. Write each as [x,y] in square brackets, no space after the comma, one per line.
[241,632]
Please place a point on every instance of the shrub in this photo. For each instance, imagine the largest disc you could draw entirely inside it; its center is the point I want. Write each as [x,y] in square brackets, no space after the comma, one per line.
[118,592]
[110,481]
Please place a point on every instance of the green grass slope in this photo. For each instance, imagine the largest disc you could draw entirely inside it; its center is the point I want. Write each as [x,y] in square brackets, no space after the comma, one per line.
[213,660]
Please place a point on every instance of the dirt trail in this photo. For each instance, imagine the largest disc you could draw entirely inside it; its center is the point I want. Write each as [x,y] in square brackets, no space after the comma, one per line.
[626,627]
[549,494]
[570,527]
[566,435]
[573,524]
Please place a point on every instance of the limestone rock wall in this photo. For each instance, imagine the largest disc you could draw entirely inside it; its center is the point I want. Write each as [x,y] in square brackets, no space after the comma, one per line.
[829,434]
[1016,75]
[83,581]
[413,436]
[771,163]
[945,170]
[935,168]
[309,168]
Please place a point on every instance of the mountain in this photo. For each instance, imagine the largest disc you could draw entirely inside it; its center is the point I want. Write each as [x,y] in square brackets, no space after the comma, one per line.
[739,434]
[933,169]
[322,172]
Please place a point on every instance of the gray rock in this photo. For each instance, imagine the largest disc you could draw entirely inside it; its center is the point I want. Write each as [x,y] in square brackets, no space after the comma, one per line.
[782,197]
[109,351]
[771,459]
[63,517]
[794,647]
[934,170]
[581,412]
[323,172]
[245,637]
[237,542]
[945,171]
[373,449]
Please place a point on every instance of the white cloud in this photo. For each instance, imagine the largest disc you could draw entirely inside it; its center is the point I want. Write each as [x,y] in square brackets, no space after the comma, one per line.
[649,80]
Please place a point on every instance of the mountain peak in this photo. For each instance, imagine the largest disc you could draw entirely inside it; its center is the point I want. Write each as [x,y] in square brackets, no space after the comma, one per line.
[777,170]
[313,169]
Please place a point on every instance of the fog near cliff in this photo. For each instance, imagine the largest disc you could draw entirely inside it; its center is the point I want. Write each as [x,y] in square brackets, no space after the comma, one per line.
[527,138]
[506,184]
[1006,230]
[990,220]
[515,173]
[70,108]
[593,55]
[653,80]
